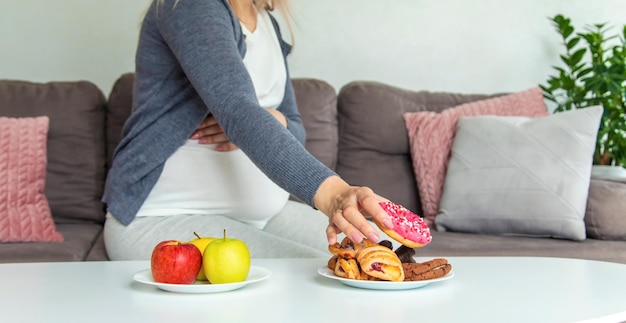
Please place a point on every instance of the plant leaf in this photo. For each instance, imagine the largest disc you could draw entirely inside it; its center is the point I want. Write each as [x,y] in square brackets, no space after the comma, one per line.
[578,56]
[572,43]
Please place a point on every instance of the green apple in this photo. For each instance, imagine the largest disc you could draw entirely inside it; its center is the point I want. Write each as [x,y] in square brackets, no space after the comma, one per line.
[201,243]
[226,260]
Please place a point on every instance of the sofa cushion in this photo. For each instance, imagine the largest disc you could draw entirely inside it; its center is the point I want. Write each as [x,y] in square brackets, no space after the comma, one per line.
[24,211]
[373,140]
[431,135]
[76,246]
[459,244]
[316,101]
[76,155]
[98,252]
[605,217]
[521,176]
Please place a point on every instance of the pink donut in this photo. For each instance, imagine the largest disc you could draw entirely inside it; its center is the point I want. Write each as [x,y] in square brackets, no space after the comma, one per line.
[408,228]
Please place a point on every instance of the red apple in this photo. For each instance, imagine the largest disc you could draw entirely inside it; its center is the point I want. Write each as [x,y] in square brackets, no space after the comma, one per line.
[175,262]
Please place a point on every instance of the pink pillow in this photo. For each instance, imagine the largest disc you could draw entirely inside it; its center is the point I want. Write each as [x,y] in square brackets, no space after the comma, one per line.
[24,211]
[431,135]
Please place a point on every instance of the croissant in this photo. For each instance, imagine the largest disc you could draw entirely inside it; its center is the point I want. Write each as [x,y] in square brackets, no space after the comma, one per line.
[381,262]
[347,268]
[348,249]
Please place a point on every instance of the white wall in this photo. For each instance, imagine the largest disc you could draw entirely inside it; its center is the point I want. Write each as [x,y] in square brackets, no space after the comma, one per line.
[43,40]
[449,45]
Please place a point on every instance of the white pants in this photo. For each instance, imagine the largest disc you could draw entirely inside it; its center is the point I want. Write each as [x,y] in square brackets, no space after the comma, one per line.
[297,231]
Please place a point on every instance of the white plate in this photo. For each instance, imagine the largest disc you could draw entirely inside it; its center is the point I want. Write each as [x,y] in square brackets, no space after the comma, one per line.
[256,274]
[381,285]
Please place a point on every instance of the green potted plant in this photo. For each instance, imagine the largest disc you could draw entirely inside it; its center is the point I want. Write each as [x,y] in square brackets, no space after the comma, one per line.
[593,72]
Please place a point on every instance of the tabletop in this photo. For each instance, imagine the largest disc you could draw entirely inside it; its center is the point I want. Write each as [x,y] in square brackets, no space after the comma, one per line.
[483,289]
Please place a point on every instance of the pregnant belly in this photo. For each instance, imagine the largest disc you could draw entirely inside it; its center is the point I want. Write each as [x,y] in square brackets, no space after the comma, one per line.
[197,179]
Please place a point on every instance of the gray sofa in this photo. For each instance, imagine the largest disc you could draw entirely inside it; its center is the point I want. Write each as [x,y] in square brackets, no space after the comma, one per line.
[359,132]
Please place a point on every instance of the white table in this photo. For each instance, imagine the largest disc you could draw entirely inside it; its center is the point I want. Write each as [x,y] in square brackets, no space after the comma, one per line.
[484,289]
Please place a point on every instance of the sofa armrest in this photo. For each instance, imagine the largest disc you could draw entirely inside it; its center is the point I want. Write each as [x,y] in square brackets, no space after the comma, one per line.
[605,217]
[75,168]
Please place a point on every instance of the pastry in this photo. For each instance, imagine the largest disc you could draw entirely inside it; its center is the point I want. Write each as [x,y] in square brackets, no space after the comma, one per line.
[332,262]
[386,243]
[405,254]
[347,268]
[380,262]
[426,270]
[347,248]
[408,228]
[365,276]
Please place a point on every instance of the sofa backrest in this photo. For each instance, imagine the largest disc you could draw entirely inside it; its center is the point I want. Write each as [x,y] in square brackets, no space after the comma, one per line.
[118,110]
[359,132]
[373,139]
[317,102]
[75,146]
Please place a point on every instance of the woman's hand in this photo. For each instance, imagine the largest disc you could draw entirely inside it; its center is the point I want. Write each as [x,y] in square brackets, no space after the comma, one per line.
[210,132]
[347,208]
[279,116]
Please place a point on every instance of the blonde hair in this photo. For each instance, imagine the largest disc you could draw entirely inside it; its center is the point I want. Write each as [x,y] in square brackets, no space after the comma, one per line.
[284,8]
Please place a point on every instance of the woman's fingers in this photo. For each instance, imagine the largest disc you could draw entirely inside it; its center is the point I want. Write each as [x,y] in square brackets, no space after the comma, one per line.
[359,226]
[371,208]
[331,233]
[349,221]
[351,212]
[210,132]
[228,146]
[207,122]
[216,138]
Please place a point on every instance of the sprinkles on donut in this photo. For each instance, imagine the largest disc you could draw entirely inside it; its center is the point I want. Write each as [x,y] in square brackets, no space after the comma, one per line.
[408,228]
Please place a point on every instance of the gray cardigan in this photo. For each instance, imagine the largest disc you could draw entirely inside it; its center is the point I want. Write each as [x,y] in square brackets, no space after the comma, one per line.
[188,65]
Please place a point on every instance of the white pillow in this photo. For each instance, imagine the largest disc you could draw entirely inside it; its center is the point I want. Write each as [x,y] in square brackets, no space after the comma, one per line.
[520,176]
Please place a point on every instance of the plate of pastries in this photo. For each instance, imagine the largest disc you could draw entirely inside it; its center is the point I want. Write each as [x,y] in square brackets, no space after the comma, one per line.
[377,266]
[373,265]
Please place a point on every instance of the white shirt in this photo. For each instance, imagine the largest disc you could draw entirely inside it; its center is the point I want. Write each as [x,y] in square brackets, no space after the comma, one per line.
[197,179]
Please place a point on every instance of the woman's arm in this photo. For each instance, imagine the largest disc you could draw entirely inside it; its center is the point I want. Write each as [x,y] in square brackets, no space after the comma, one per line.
[210,132]
[205,39]
[286,113]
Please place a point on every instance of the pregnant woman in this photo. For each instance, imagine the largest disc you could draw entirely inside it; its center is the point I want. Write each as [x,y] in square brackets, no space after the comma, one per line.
[215,142]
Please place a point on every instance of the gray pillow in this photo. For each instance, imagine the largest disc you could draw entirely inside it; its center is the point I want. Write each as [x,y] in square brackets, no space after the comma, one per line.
[520,176]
